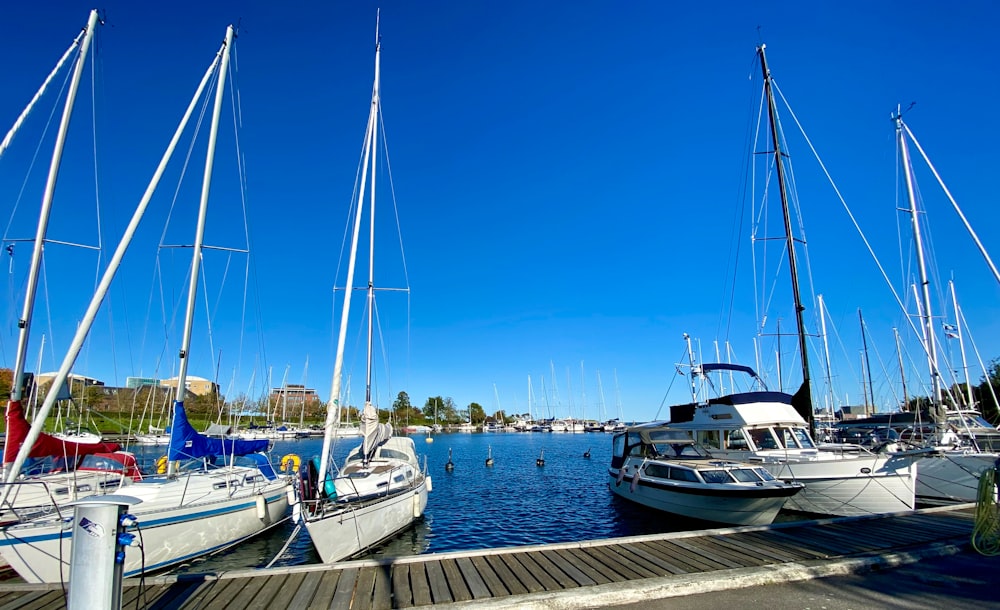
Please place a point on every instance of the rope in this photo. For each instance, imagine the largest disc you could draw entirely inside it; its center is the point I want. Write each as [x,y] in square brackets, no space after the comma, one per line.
[986,532]
[291,537]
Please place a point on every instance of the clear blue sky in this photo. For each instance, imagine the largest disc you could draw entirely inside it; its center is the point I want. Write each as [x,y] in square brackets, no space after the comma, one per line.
[568,177]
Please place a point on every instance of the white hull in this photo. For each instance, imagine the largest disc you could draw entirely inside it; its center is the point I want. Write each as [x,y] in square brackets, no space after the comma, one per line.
[951,477]
[733,511]
[39,496]
[180,519]
[152,439]
[346,529]
[843,487]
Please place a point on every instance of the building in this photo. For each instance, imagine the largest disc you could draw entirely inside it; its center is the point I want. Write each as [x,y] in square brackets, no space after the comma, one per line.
[134,383]
[293,394]
[199,386]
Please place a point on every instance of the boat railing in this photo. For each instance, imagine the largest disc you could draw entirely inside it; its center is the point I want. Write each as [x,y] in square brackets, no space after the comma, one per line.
[34,511]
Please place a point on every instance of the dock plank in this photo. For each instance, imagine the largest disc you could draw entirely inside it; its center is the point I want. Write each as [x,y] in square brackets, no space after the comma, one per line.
[364,590]
[691,545]
[489,576]
[439,583]
[564,561]
[616,554]
[459,590]
[506,575]
[324,590]
[382,589]
[283,591]
[472,578]
[722,553]
[343,595]
[527,580]
[565,580]
[670,567]
[547,581]
[419,586]
[401,595]
[593,568]
[32,600]
[755,548]
[680,554]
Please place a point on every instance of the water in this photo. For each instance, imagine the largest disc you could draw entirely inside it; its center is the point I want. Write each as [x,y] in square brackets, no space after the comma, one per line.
[514,502]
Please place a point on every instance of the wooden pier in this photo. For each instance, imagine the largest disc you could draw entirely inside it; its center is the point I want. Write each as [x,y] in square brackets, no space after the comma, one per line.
[522,573]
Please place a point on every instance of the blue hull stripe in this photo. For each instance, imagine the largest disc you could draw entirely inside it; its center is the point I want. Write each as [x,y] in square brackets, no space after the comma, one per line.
[12,539]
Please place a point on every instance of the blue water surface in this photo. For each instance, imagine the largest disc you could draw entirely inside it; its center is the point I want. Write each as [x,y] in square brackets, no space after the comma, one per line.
[514,502]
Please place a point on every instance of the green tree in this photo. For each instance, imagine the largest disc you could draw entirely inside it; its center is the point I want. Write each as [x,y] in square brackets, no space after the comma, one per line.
[983,395]
[476,413]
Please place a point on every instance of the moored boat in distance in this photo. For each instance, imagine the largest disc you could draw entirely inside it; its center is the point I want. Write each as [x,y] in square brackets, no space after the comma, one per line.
[664,469]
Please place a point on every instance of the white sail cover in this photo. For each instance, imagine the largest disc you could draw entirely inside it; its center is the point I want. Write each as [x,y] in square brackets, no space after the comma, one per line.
[374,433]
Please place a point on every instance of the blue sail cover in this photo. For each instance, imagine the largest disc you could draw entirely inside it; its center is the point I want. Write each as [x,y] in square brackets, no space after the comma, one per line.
[187,443]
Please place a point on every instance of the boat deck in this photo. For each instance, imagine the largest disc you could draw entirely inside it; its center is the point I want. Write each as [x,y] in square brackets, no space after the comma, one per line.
[520,574]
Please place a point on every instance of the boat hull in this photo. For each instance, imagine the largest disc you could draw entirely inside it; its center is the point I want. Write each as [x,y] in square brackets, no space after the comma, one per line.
[179,520]
[747,507]
[847,487]
[341,530]
[951,476]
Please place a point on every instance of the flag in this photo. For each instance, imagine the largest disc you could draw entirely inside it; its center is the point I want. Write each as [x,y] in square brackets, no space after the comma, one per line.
[950,331]
[10,249]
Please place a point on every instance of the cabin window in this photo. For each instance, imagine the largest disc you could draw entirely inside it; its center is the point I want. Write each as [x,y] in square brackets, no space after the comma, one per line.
[735,440]
[709,439]
[658,470]
[392,454]
[715,476]
[681,474]
[618,446]
[764,474]
[803,438]
[744,475]
[763,439]
[787,437]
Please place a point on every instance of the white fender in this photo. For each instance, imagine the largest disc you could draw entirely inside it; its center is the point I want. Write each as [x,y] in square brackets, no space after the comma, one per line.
[262,508]
[430,487]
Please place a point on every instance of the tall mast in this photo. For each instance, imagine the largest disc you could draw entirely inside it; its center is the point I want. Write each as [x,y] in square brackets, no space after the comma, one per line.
[902,373]
[373,134]
[925,291]
[961,343]
[804,393]
[868,366]
[826,350]
[333,405]
[24,323]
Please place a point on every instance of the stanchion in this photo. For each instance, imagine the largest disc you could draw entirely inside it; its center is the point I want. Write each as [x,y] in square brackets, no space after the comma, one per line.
[98,555]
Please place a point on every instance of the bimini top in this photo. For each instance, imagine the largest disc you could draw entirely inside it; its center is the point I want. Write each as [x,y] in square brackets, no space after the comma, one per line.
[723,366]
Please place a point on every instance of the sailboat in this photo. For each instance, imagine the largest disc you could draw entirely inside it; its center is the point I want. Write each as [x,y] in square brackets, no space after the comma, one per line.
[58,478]
[197,507]
[775,428]
[380,490]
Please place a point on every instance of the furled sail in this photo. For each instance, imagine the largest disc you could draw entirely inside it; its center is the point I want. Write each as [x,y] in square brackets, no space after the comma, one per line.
[374,433]
[46,445]
[187,443]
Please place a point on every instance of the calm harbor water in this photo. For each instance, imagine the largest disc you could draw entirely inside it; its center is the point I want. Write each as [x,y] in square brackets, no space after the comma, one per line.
[514,502]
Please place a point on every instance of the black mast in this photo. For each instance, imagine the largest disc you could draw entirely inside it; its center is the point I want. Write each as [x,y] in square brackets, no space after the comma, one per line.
[802,400]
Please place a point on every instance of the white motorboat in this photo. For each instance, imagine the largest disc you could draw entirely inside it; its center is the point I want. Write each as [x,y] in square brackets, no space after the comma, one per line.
[662,468]
[381,489]
[762,427]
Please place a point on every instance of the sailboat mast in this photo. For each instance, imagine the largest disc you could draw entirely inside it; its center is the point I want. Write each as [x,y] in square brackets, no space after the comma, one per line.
[199,238]
[826,349]
[373,134]
[333,405]
[24,323]
[772,113]
[868,366]
[961,343]
[902,372]
[925,291]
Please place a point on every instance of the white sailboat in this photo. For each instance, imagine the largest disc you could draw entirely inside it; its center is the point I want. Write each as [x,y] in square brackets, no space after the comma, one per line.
[197,508]
[381,489]
[23,496]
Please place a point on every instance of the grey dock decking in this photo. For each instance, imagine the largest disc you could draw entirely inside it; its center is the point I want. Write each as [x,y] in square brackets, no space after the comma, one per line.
[496,574]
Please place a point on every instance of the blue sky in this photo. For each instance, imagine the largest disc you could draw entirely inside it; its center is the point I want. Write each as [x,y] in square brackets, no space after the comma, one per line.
[568,182]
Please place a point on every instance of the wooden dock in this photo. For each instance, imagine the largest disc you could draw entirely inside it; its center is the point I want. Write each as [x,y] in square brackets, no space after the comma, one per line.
[498,575]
